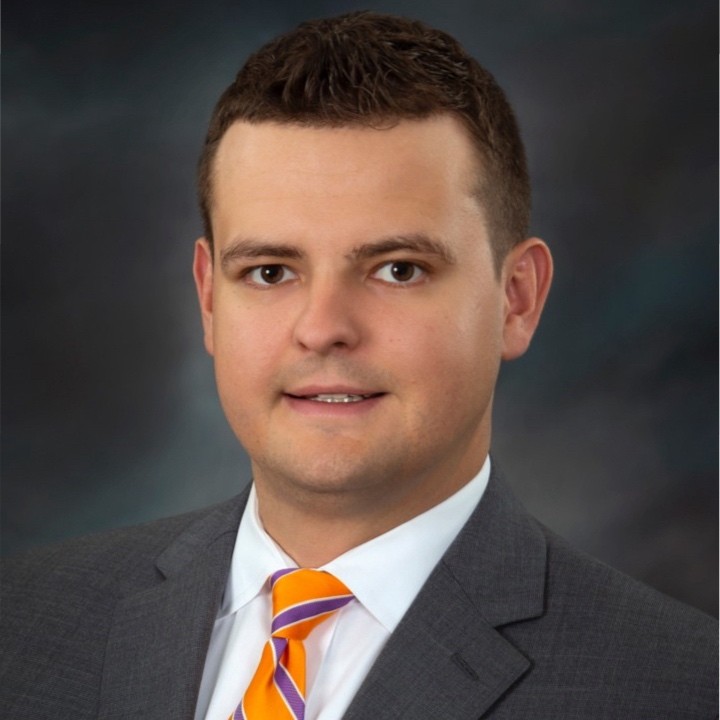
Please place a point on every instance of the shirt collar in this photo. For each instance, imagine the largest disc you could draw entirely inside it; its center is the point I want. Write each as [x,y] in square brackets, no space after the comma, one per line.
[255,557]
[385,573]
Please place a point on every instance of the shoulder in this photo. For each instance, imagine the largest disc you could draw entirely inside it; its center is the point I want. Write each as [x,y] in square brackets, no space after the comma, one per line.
[583,588]
[60,602]
[605,630]
[599,644]
[110,558]
[78,582]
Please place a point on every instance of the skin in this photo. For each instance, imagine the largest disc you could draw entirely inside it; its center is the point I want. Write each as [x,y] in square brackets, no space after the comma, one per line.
[356,260]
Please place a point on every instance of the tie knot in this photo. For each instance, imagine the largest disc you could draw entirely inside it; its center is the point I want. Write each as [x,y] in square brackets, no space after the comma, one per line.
[303,598]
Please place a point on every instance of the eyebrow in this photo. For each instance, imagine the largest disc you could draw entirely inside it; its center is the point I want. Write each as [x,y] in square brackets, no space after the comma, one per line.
[253,248]
[245,248]
[416,242]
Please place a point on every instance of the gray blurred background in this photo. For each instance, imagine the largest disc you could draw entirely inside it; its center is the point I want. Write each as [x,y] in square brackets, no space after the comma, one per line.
[607,429]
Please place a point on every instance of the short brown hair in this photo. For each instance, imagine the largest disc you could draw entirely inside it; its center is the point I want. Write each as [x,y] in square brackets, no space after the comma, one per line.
[374,70]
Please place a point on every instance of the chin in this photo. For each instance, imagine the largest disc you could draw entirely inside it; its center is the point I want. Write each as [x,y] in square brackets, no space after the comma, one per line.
[330,474]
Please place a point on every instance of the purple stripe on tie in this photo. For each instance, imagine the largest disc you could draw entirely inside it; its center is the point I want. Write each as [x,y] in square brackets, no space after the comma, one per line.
[308,610]
[279,573]
[289,692]
[278,646]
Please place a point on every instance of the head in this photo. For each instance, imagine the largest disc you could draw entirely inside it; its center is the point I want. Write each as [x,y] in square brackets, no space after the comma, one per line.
[369,70]
[365,268]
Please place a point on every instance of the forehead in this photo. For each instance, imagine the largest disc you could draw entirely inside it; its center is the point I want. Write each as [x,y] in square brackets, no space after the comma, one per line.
[421,168]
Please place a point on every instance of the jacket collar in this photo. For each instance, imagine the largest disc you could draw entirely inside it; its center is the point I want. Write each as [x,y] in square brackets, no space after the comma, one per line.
[499,557]
[447,658]
[159,637]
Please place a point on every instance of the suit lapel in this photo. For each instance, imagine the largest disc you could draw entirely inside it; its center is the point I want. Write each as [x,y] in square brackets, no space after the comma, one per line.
[443,661]
[446,658]
[159,637]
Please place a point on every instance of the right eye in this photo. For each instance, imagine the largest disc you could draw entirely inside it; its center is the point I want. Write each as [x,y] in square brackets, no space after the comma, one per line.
[267,275]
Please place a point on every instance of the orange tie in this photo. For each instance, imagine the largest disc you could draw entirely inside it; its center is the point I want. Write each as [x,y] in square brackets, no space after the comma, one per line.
[301,599]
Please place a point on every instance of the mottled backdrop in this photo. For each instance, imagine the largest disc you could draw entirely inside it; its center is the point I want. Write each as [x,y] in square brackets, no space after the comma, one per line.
[607,428]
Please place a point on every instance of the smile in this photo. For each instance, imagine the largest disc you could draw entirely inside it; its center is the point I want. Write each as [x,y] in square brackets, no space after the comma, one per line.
[337,398]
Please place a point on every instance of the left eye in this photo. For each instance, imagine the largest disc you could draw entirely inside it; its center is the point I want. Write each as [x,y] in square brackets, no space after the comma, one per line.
[399,272]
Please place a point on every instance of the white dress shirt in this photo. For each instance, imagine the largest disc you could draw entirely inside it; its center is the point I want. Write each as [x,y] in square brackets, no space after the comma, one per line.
[385,574]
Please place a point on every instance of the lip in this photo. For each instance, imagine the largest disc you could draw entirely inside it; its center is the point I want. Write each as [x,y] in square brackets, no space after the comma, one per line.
[298,401]
[309,390]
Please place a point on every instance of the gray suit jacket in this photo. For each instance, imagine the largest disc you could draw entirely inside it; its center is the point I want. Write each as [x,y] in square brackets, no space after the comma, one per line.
[512,623]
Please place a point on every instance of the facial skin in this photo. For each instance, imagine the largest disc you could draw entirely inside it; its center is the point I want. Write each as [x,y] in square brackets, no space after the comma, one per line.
[355,262]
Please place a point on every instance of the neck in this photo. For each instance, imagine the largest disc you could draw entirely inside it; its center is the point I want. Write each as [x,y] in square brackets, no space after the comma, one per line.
[314,528]
[315,542]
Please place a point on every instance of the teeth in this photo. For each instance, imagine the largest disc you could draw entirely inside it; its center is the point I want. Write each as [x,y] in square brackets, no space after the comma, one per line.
[337,398]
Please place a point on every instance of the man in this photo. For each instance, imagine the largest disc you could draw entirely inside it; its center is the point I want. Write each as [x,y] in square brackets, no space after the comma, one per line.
[365,268]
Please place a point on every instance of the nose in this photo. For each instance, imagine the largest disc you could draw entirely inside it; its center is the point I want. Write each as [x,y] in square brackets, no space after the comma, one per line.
[330,317]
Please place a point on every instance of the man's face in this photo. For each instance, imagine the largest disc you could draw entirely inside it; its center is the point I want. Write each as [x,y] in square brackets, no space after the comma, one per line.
[352,308]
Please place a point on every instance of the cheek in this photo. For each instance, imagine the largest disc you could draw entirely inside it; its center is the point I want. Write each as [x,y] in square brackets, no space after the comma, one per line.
[243,376]
[435,354]
[453,361]
[244,349]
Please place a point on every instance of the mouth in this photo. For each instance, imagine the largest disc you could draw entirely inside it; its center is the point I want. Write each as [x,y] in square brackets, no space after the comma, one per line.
[335,398]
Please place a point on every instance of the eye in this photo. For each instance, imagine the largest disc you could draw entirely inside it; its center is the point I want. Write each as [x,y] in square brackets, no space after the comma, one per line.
[399,272]
[265,275]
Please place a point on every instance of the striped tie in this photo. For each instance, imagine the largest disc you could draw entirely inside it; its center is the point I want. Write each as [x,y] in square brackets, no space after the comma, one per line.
[302,599]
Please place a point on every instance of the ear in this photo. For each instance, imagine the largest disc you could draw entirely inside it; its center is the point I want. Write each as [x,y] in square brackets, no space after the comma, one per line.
[203,273]
[527,274]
